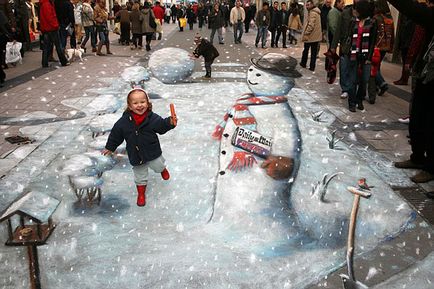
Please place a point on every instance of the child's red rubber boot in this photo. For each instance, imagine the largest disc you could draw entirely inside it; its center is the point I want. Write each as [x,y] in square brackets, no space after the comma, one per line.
[141,197]
[165,174]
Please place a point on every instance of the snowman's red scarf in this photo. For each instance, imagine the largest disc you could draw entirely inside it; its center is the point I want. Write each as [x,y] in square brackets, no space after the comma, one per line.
[242,117]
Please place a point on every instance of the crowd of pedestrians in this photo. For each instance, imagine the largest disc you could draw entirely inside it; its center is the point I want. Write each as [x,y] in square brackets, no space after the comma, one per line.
[358,37]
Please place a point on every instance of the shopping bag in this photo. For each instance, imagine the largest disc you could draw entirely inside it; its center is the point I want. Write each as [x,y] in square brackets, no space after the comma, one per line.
[117,28]
[182,22]
[13,54]
[159,28]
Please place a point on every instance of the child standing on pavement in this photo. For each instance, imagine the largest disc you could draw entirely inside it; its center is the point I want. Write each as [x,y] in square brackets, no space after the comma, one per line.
[208,51]
[139,126]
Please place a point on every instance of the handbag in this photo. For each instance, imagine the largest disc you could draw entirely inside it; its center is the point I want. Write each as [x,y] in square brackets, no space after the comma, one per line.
[159,28]
[101,28]
[152,21]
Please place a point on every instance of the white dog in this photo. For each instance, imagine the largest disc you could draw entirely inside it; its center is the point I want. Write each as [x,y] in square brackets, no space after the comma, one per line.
[72,54]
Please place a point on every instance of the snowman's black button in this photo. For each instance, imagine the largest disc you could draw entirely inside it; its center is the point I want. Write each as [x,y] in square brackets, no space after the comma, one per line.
[222,173]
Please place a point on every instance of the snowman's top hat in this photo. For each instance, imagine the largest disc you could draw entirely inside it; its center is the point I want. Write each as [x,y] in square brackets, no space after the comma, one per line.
[278,64]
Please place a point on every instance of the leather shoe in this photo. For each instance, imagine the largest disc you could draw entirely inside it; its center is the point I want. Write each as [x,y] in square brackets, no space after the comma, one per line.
[408,164]
[422,177]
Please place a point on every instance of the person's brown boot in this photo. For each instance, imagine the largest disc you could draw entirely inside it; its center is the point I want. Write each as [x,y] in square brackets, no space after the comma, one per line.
[422,177]
[108,49]
[98,51]
[408,164]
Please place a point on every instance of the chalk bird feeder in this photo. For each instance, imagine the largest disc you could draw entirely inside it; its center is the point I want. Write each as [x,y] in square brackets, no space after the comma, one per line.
[30,224]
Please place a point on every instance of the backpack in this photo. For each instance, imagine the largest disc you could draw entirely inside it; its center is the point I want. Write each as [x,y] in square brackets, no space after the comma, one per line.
[385,32]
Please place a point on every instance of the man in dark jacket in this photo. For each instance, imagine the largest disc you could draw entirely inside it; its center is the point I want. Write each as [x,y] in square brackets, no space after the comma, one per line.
[262,21]
[250,15]
[325,9]
[22,22]
[282,24]
[342,36]
[274,15]
[65,17]
[49,27]
[421,126]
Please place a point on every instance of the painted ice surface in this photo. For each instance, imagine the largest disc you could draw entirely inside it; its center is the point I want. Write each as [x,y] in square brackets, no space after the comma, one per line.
[263,240]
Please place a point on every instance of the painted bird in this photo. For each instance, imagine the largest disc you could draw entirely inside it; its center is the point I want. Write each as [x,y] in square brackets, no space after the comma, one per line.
[363,185]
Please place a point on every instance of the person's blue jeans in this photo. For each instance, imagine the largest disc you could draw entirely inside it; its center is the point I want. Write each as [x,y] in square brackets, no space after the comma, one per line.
[238,31]
[262,34]
[219,33]
[358,81]
[344,73]
[90,33]
[103,37]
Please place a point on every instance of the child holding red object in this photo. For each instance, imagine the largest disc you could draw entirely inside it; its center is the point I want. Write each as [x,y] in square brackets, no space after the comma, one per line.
[139,126]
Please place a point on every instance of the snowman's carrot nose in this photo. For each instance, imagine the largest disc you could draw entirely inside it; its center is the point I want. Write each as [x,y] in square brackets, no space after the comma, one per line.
[172,113]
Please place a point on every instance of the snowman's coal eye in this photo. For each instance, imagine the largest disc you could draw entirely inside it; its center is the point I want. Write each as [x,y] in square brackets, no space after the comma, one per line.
[251,69]
[258,74]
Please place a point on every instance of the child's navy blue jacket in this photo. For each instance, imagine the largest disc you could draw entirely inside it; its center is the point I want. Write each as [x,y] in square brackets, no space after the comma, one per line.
[142,141]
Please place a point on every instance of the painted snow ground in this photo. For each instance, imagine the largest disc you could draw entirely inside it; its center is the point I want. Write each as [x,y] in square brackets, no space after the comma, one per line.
[170,243]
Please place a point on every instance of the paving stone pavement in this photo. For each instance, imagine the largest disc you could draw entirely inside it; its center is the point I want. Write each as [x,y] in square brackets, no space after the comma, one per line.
[34,96]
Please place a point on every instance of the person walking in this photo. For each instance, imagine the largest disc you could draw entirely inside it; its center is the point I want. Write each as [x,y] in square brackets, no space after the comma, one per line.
[100,17]
[191,16]
[282,24]
[136,19]
[312,35]
[49,26]
[294,25]
[216,22]
[363,38]
[201,15]
[262,22]
[147,30]
[342,37]
[159,14]
[65,17]
[274,14]
[123,16]
[78,26]
[88,24]
[237,17]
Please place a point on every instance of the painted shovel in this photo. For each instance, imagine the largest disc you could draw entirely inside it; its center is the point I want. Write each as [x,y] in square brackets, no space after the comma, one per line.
[349,282]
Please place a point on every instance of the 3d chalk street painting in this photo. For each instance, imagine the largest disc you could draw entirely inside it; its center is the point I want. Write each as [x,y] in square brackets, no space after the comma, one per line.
[222,220]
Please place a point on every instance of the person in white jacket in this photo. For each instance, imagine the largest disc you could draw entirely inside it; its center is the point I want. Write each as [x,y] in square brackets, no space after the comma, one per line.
[237,17]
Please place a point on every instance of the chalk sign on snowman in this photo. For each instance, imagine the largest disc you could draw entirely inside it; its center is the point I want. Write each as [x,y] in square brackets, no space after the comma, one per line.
[252,141]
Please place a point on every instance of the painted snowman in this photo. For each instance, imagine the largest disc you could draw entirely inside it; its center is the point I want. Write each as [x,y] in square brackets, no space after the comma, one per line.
[243,189]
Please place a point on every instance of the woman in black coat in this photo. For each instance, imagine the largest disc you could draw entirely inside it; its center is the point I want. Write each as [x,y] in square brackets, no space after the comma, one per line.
[216,22]
[421,126]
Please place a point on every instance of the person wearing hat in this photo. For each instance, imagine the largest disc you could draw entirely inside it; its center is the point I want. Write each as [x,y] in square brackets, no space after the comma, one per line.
[139,126]
[208,51]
